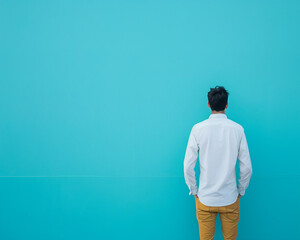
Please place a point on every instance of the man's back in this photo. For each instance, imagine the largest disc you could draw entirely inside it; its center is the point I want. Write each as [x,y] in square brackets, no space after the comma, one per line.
[219,141]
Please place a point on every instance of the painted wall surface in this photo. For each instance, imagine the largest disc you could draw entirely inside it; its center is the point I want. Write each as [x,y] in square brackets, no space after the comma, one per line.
[97,99]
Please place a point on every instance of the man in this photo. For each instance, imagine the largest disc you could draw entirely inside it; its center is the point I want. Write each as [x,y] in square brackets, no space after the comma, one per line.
[219,142]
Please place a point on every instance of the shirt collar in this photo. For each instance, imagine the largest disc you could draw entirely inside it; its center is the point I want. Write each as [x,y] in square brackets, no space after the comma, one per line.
[217,115]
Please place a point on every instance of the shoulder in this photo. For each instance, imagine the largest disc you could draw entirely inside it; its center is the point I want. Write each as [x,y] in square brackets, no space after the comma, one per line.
[235,125]
[197,126]
[202,124]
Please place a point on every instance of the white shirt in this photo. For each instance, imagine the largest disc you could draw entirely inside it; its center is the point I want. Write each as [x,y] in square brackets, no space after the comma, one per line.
[218,141]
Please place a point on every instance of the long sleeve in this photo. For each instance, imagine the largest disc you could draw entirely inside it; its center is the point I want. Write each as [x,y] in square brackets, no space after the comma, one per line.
[244,164]
[190,160]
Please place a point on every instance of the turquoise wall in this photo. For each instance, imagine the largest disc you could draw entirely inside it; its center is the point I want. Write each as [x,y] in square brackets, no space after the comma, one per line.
[97,99]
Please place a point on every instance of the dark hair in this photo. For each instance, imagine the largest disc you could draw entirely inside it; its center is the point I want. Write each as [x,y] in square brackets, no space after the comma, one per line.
[217,98]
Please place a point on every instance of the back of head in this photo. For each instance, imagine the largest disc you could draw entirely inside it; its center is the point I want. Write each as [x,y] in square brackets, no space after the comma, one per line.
[217,98]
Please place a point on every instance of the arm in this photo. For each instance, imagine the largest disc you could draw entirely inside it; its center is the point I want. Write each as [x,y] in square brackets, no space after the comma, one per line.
[244,164]
[190,159]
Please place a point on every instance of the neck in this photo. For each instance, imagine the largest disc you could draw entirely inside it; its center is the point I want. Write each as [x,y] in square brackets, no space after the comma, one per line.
[214,112]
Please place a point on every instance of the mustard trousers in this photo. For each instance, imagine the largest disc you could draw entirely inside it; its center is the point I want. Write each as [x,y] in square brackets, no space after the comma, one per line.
[229,216]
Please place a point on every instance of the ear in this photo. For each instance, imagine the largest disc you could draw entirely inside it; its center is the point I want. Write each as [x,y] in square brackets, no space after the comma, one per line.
[226,105]
[208,104]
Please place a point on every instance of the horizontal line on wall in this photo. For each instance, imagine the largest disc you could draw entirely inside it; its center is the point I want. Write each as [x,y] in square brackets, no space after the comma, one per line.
[87,176]
[80,176]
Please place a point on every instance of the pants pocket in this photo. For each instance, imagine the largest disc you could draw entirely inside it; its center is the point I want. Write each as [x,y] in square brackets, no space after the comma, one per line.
[203,215]
[233,215]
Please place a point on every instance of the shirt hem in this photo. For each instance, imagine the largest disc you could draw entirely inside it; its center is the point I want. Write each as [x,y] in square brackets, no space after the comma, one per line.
[210,204]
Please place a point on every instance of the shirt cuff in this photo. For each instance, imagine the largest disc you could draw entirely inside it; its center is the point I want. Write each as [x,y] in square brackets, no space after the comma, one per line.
[241,192]
[193,190]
